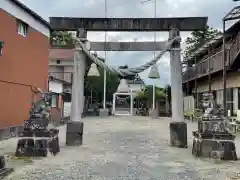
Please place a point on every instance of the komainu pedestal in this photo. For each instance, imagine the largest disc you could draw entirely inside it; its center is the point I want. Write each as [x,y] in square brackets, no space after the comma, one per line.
[38,143]
[212,138]
[37,137]
[74,134]
[178,134]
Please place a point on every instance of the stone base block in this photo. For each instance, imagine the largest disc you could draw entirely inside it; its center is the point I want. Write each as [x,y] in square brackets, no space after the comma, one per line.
[2,162]
[37,147]
[74,139]
[178,134]
[221,150]
[74,134]
[25,147]
[3,170]
[103,112]
[154,113]
[41,148]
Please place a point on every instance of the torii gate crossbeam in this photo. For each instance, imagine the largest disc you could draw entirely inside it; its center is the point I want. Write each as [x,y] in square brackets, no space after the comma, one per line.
[128,46]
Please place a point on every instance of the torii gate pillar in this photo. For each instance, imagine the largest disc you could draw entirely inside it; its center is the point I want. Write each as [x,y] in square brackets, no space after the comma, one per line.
[178,128]
[74,134]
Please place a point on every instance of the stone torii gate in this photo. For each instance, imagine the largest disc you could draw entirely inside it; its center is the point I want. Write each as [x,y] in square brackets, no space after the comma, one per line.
[178,129]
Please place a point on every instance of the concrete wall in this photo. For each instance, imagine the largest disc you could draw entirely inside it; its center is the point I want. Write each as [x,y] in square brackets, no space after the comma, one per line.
[61,72]
[53,62]
[68,73]
[56,71]
[56,87]
[67,109]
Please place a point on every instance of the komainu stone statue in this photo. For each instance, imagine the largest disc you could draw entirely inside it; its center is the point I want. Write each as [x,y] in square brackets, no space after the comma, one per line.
[213,139]
[39,113]
[37,137]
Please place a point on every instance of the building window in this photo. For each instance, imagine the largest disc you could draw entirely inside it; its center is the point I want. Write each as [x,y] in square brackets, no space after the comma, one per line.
[54,100]
[22,28]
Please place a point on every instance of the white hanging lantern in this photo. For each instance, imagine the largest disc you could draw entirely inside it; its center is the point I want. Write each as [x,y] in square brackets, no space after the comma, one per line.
[154,74]
[93,70]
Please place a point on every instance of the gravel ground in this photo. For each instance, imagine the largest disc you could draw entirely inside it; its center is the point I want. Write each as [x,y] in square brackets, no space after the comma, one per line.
[123,148]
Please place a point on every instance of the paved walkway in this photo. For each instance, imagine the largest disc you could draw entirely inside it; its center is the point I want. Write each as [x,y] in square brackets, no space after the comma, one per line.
[123,148]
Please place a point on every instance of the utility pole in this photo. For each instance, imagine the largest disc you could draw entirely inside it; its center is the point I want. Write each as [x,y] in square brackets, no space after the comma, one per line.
[105,55]
[154,53]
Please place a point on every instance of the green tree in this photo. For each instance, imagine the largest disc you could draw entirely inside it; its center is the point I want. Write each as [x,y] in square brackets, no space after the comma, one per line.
[97,84]
[198,38]
[158,90]
[148,94]
[61,38]
[141,95]
[167,91]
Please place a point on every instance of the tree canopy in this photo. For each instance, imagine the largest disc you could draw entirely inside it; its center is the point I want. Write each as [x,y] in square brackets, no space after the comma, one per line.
[61,38]
[96,84]
[148,93]
[167,90]
[198,38]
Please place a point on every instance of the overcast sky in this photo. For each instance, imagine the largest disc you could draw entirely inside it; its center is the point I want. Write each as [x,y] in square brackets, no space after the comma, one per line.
[214,9]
